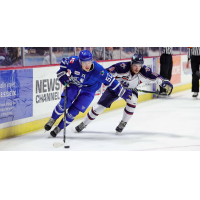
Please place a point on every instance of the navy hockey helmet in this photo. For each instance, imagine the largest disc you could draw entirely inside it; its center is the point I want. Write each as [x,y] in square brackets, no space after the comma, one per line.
[85,56]
[137,59]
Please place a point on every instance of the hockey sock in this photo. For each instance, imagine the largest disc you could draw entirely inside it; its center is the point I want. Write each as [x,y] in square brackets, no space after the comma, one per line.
[93,113]
[128,112]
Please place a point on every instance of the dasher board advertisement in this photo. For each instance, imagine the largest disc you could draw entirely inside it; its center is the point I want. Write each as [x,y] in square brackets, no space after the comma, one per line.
[16,95]
[47,90]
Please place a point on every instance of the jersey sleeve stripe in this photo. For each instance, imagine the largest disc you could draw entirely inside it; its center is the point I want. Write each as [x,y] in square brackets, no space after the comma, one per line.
[122,91]
[111,82]
[63,66]
[116,86]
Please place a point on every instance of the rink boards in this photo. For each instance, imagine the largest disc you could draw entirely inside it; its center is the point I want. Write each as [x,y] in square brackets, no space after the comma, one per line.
[28,96]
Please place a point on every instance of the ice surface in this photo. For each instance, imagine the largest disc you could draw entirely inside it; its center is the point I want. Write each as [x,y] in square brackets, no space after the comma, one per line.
[171,124]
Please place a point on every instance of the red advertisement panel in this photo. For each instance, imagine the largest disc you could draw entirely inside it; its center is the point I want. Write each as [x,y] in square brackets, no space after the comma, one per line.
[176,70]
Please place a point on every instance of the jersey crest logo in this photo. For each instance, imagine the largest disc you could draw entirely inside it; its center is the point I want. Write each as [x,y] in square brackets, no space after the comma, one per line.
[123,65]
[111,69]
[72,60]
[102,73]
[147,69]
[77,73]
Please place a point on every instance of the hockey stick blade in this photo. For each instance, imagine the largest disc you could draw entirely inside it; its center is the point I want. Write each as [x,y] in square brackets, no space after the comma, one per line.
[58,144]
[151,92]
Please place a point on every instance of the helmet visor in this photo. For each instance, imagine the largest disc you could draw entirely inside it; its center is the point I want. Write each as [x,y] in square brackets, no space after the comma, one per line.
[137,65]
[85,63]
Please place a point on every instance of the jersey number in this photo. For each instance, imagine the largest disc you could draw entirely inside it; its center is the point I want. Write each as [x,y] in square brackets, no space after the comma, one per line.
[72,60]
[109,77]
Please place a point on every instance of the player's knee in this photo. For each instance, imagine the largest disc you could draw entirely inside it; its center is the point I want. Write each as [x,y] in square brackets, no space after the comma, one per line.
[133,100]
[73,111]
[135,94]
[98,109]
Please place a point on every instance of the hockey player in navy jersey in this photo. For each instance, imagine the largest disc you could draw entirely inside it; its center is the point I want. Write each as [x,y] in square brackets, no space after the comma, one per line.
[85,79]
[130,75]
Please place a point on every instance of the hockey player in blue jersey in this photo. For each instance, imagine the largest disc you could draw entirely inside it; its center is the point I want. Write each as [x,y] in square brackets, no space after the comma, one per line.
[130,75]
[85,79]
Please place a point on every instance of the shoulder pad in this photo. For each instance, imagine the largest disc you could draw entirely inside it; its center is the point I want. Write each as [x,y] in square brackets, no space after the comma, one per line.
[122,67]
[146,69]
[72,59]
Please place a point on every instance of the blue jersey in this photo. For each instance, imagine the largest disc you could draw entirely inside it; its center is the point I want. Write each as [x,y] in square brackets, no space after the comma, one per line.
[89,81]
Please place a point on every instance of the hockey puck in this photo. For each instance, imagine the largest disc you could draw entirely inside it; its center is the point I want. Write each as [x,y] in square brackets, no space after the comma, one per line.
[67,146]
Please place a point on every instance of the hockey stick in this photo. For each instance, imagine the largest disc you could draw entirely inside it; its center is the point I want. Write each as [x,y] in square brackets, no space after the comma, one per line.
[58,144]
[156,92]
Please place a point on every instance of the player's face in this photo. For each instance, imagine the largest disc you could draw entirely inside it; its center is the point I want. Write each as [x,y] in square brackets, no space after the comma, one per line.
[135,68]
[87,65]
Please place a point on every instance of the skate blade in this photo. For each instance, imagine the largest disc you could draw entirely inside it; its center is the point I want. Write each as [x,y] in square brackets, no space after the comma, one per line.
[75,131]
[194,98]
[162,96]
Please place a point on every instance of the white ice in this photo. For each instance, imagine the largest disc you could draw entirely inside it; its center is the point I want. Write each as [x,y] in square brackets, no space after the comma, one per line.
[171,124]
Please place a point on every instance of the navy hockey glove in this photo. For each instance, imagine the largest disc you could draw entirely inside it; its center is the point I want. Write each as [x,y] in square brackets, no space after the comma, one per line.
[125,94]
[168,86]
[63,78]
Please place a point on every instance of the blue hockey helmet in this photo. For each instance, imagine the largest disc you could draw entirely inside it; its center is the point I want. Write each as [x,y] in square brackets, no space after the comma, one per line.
[137,59]
[85,56]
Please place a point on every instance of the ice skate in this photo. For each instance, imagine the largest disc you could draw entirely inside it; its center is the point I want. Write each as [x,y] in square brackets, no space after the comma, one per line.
[195,95]
[162,94]
[120,127]
[80,127]
[55,131]
[49,124]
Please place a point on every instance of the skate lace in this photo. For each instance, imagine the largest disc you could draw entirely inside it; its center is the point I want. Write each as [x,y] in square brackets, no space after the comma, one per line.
[57,130]
[51,121]
[122,124]
[82,125]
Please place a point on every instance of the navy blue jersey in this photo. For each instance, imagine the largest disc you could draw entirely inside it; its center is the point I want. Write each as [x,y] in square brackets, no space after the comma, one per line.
[121,71]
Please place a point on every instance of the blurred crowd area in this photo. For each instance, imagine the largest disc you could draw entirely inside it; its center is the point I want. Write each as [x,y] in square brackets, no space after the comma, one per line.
[30,56]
